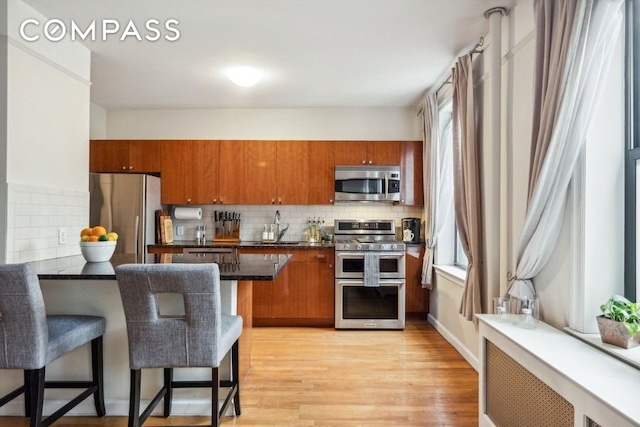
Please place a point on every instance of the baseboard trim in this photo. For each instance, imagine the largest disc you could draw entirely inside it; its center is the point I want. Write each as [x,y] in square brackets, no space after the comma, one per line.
[455,342]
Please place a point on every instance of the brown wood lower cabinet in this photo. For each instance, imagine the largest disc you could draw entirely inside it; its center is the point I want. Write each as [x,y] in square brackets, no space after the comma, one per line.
[417,297]
[301,295]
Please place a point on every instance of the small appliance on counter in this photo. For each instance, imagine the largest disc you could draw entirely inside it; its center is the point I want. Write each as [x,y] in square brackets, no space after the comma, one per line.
[411,230]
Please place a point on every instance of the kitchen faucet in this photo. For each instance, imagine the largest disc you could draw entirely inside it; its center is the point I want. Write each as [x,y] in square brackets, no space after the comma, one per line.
[280,233]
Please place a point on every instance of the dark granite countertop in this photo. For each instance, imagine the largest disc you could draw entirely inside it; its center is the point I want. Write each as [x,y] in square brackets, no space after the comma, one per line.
[232,266]
[244,244]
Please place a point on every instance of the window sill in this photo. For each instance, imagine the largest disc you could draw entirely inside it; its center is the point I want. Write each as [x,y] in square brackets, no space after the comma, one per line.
[630,356]
[454,273]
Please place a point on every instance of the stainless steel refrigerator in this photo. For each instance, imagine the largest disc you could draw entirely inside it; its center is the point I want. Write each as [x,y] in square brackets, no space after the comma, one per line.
[126,204]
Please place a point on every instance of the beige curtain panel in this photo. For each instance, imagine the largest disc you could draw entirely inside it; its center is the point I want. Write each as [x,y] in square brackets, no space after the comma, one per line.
[430,172]
[466,182]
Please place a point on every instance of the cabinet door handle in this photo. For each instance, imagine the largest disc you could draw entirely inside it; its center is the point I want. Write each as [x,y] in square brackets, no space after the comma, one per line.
[321,256]
[124,168]
[364,162]
[130,168]
[188,201]
[370,162]
[215,201]
[273,201]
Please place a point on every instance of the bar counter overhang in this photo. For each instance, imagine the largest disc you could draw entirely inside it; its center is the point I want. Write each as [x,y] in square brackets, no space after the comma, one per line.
[71,285]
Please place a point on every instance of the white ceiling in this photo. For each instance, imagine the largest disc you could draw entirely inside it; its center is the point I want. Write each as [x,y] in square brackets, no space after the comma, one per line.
[313,53]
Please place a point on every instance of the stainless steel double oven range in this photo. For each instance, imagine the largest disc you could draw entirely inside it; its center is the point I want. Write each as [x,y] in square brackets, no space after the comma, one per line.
[369,275]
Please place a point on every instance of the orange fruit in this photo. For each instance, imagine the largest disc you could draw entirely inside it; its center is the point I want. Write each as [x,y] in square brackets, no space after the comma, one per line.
[85,232]
[98,230]
[93,239]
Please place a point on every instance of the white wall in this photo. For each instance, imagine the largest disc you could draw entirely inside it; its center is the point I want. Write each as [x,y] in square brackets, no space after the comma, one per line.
[47,134]
[301,123]
[97,122]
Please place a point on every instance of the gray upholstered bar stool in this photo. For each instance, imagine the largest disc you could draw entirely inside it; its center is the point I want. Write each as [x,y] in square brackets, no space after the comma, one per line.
[30,340]
[200,337]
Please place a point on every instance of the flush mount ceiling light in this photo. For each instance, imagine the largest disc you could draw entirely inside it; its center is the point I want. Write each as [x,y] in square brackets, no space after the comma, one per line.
[244,76]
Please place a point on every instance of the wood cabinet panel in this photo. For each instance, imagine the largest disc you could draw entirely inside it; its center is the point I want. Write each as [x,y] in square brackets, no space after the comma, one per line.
[350,152]
[260,172]
[292,172]
[231,172]
[417,297]
[189,172]
[385,153]
[262,299]
[321,285]
[412,189]
[124,156]
[301,295]
[204,172]
[289,295]
[145,156]
[321,172]
[177,177]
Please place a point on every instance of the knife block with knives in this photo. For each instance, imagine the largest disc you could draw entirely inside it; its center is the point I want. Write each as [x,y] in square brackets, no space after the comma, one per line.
[226,226]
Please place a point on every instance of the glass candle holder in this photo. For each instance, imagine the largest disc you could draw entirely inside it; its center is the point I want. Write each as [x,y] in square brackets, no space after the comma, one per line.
[529,313]
[501,309]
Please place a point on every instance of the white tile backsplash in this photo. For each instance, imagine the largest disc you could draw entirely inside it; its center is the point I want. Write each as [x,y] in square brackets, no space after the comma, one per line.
[34,216]
[255,216]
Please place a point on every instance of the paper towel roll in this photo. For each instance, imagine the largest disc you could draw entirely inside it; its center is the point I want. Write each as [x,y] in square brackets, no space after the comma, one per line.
[187,213]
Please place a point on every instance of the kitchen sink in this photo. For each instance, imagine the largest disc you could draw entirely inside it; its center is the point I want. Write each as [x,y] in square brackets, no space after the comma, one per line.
[278,243]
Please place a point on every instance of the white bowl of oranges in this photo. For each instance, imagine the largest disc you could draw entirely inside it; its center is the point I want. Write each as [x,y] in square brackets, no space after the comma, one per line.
[96,244]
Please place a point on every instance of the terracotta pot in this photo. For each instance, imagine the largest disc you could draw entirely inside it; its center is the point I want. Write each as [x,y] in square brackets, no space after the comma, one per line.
[615,333]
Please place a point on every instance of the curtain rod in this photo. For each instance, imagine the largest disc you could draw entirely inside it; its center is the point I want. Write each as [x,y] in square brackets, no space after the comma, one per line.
[476,49]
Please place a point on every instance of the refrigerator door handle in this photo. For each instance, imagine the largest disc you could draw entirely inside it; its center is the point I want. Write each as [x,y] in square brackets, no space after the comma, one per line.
[136,230]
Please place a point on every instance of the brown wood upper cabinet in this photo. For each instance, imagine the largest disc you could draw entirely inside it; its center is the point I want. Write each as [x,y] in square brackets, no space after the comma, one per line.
[276,172]
[202,172]
[189,172]
[385,153]
[125,156]
[411,189]
[321,173]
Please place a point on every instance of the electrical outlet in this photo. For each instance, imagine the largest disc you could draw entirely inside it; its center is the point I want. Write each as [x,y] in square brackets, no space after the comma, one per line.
[179,230]
[62,236]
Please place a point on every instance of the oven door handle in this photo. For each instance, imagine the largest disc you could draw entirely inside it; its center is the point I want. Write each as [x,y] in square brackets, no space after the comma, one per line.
[360,282]
[386,186]
[350,254]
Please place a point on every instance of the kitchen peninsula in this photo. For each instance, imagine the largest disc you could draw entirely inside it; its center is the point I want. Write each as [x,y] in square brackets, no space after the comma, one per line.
[70,285]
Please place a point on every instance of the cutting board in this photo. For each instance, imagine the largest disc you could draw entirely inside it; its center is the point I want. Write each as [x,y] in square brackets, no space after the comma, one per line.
[168,230]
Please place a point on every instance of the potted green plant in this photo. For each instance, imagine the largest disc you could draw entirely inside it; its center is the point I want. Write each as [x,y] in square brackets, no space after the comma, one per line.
[620,322]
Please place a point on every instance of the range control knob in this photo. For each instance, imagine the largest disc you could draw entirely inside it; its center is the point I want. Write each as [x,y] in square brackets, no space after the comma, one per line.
[359,247]
[346,246]
[394,247]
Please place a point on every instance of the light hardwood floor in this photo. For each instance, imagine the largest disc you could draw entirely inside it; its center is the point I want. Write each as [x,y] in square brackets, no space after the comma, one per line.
[324,377]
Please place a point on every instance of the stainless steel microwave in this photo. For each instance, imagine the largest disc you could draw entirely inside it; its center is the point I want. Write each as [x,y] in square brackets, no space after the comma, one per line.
[367,183]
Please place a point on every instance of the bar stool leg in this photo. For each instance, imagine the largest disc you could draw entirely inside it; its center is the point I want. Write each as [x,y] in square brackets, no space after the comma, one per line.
[36,392]
[98,375]
[134,398]
[168,378]
[27,393]
[235,360]
[215,385]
